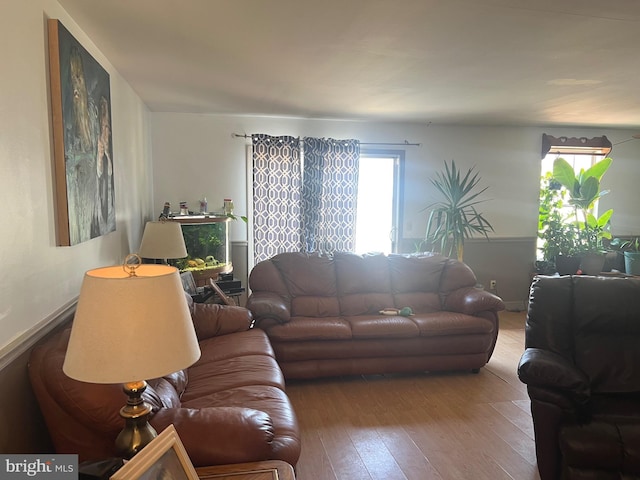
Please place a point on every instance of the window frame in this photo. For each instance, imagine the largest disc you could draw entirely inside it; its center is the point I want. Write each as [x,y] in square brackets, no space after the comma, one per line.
[398,189]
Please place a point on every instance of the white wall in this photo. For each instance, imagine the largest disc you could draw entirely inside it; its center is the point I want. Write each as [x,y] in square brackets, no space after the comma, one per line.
[38,278]
[197,155]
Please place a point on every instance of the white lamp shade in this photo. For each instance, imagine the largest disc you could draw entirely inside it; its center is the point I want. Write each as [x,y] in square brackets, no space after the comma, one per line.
[130,328]
[162,240]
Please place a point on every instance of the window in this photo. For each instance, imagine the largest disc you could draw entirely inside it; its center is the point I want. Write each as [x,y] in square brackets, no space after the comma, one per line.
[581,153]
[379,200]
[578,162]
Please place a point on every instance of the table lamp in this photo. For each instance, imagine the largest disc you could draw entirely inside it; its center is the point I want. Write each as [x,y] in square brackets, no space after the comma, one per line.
[162,240]
[132,323]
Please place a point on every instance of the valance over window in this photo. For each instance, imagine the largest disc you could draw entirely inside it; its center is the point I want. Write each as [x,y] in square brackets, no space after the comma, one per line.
[575,146]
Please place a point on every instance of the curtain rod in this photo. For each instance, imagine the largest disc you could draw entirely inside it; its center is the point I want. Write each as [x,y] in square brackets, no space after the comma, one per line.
[405,143]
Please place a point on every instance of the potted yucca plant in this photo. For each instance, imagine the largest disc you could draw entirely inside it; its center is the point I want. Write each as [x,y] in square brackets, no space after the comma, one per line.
[455,218]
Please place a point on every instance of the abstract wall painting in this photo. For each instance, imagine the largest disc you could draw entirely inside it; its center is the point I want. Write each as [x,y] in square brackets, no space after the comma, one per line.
[83,150]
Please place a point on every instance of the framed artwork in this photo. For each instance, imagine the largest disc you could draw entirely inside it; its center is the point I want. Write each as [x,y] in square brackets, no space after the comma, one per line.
[165,457]
[82,144]
[188,283]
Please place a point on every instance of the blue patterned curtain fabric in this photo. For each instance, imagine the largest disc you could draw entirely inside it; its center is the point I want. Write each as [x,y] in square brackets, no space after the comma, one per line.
[277,182]
[315,214]
[329,194]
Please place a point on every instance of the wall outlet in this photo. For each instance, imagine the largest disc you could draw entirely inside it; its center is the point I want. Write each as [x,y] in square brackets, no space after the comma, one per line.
[493,285]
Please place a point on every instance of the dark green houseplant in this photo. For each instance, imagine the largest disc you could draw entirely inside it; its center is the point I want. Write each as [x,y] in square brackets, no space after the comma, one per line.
[584,191]
[558,244]
[455,218]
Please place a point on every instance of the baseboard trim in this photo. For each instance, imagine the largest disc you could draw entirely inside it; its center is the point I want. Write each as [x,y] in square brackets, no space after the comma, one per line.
[515,306]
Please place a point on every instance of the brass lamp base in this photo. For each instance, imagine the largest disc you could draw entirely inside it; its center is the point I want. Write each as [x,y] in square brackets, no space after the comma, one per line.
[137,433]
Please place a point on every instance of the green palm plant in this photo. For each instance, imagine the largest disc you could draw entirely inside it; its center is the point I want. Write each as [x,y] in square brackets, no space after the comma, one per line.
[455,218]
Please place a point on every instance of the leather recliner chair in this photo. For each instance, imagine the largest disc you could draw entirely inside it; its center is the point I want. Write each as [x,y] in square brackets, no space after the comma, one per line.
[582,370]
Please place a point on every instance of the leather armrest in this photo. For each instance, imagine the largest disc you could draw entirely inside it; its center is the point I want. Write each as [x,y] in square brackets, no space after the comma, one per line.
[546,370]
[471,300]
[219,435]
[212,319]
[269,305]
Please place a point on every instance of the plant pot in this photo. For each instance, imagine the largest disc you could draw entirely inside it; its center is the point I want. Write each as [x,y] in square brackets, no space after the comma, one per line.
[592,263]
[632,263]
[567,264]
[614,261]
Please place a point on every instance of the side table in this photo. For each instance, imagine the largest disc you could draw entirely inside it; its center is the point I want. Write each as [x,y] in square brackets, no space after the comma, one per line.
[266,470]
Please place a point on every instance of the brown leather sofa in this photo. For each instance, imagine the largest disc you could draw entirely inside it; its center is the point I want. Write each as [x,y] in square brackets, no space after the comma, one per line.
[321,313]
[582,370]
[229,407]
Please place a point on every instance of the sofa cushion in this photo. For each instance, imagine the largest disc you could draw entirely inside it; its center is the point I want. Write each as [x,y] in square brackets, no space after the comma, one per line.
[382,326]
[211,377]
[311,283]
[160,393]
[602,446]
[452,323]
[273,401]
[233,361]
[605,322]
[178,381]
[307,275]
[265,277]
[456,275]
[213,319]
[362,273]
[364,287]
[622,407]
[415,273]
[418,301]
[315,306]
[309,328]
[98,405]
[253,342]
[365,303]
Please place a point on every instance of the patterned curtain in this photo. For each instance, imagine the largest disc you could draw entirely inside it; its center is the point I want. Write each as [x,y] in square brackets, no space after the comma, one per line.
[277,182]
[329,194]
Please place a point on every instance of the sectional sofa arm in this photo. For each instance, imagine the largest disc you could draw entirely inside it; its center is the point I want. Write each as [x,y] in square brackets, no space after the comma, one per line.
[471,300]
[269,306]
[219,435]
[550,374]
[212,319]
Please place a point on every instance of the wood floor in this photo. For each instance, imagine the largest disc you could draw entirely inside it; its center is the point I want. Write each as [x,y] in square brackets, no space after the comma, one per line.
[421,426]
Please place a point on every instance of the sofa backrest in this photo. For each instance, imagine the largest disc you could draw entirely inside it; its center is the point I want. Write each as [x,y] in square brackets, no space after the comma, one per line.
[363,283]
[415,281]
[310,281]
[348,284]
[592,321]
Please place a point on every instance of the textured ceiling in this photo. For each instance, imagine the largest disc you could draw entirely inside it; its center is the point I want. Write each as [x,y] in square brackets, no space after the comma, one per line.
[496,62]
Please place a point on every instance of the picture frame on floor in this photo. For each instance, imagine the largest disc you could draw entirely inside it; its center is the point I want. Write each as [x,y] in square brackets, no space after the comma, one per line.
[164,457]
